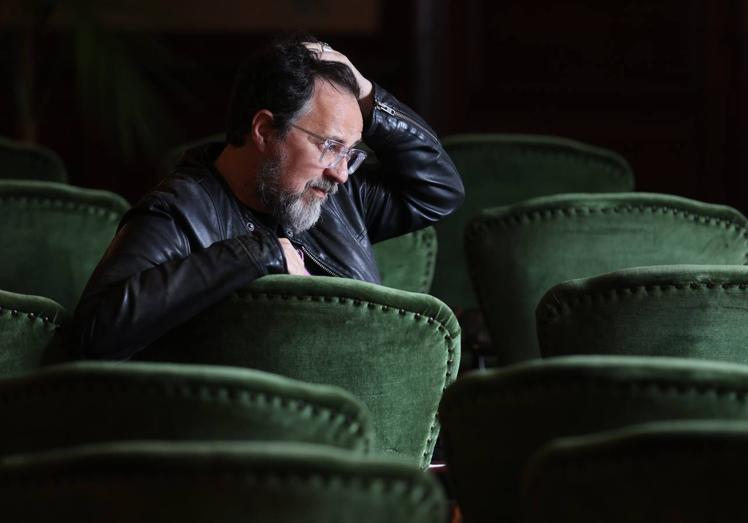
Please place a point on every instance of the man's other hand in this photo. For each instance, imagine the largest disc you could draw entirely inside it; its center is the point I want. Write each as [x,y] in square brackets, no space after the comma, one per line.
[293,260]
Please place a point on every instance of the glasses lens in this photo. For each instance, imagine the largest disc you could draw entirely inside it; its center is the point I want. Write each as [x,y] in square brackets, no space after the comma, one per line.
[332,153]
[356,158]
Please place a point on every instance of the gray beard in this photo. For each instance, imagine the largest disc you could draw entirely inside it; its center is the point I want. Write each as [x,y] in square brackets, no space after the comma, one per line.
[292,210]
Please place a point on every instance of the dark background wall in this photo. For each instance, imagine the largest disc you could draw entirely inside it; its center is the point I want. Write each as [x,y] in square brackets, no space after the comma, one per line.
[663,82]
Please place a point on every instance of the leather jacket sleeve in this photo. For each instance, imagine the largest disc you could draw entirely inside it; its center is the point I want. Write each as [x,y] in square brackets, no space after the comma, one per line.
[149,282]
[416,183]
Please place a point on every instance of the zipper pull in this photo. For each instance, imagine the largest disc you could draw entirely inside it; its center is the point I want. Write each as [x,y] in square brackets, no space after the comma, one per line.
[386,108]
[402,116]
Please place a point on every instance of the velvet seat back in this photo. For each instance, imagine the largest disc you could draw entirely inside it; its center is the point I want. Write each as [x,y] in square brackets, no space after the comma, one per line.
[394,350]
[501,169]
[667,472]
[495,420]
[31,332]
[53,237]
[689,311]
[261,482]
[25,161]
[407,262]
[516,253]
[94,402]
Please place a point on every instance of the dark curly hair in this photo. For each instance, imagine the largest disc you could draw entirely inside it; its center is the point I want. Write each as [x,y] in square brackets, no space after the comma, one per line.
[280,78]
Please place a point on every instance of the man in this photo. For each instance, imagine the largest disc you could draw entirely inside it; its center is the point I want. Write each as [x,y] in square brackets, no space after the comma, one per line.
[280,197]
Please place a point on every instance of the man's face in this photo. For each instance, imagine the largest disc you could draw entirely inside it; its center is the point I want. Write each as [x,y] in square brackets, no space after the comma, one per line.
[293,181]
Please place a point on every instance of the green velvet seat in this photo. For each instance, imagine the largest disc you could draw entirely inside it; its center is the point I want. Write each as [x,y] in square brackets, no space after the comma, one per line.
[667,472]
[25,161]
[690,311]
[407,262]
[516,253]
[501,169]
[396,351]
[31,333]
[96,402]
[494,420]
[53,237]
[210,483]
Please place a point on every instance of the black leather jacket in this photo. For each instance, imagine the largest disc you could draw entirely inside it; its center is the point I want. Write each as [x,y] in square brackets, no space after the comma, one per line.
[189,243]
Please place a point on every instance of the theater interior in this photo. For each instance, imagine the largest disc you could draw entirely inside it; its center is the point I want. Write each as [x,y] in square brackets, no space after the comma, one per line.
[596,270]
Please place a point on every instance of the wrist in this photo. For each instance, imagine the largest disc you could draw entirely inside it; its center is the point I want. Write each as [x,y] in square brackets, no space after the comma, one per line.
[366,99]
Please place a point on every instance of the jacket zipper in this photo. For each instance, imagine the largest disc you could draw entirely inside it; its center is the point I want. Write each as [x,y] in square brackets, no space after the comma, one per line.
[399,114]
[316,260]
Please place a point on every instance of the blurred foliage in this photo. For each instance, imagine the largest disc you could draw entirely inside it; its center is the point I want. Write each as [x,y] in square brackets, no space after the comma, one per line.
[120,77]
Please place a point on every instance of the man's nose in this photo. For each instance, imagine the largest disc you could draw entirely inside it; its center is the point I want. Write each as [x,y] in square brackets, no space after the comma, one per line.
[339,173]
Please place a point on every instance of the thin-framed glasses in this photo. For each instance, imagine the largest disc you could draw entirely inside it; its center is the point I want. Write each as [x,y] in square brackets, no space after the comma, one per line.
[333,151]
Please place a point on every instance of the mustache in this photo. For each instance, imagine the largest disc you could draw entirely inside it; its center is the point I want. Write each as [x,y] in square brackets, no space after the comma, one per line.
[323,184]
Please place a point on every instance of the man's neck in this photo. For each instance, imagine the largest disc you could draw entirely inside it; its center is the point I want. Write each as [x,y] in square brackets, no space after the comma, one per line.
[239,167]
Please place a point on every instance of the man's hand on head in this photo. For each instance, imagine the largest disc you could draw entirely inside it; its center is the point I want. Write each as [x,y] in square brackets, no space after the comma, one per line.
[293,261]
[366,96]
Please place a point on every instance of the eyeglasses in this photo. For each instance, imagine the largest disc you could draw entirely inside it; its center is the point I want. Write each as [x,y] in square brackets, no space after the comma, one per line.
[333,151]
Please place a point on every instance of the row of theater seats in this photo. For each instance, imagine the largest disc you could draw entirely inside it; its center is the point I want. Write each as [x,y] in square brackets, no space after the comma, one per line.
[610,430]
[163,442]
[617,320]
[333,428]
[665,260]
[599,438]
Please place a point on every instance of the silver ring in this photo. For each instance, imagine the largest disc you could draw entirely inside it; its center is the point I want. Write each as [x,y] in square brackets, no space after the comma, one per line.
[325,47]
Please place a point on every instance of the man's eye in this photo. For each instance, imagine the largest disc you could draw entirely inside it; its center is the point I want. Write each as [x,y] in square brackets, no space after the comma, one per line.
[333,147]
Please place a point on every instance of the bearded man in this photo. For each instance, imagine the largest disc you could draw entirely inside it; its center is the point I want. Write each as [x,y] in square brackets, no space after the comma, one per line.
[280,196]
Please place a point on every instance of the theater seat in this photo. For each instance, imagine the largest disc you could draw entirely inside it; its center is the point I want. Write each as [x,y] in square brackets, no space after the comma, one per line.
[502,169]
[31,332]
[407,262]
[152,482]
[516,253]
[95,402]
[26,161]
[53,236]
[394,350]
[494,420]
[666,472]
[689,311]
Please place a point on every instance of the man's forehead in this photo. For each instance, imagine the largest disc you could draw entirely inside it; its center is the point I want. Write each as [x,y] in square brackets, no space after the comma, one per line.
[334,112]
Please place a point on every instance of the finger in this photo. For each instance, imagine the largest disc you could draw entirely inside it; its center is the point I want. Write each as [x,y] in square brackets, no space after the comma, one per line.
[286,247]
[318,48]
[321,48]
[289,250]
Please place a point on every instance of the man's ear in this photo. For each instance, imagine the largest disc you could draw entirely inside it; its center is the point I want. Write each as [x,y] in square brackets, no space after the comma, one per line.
[263,129]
